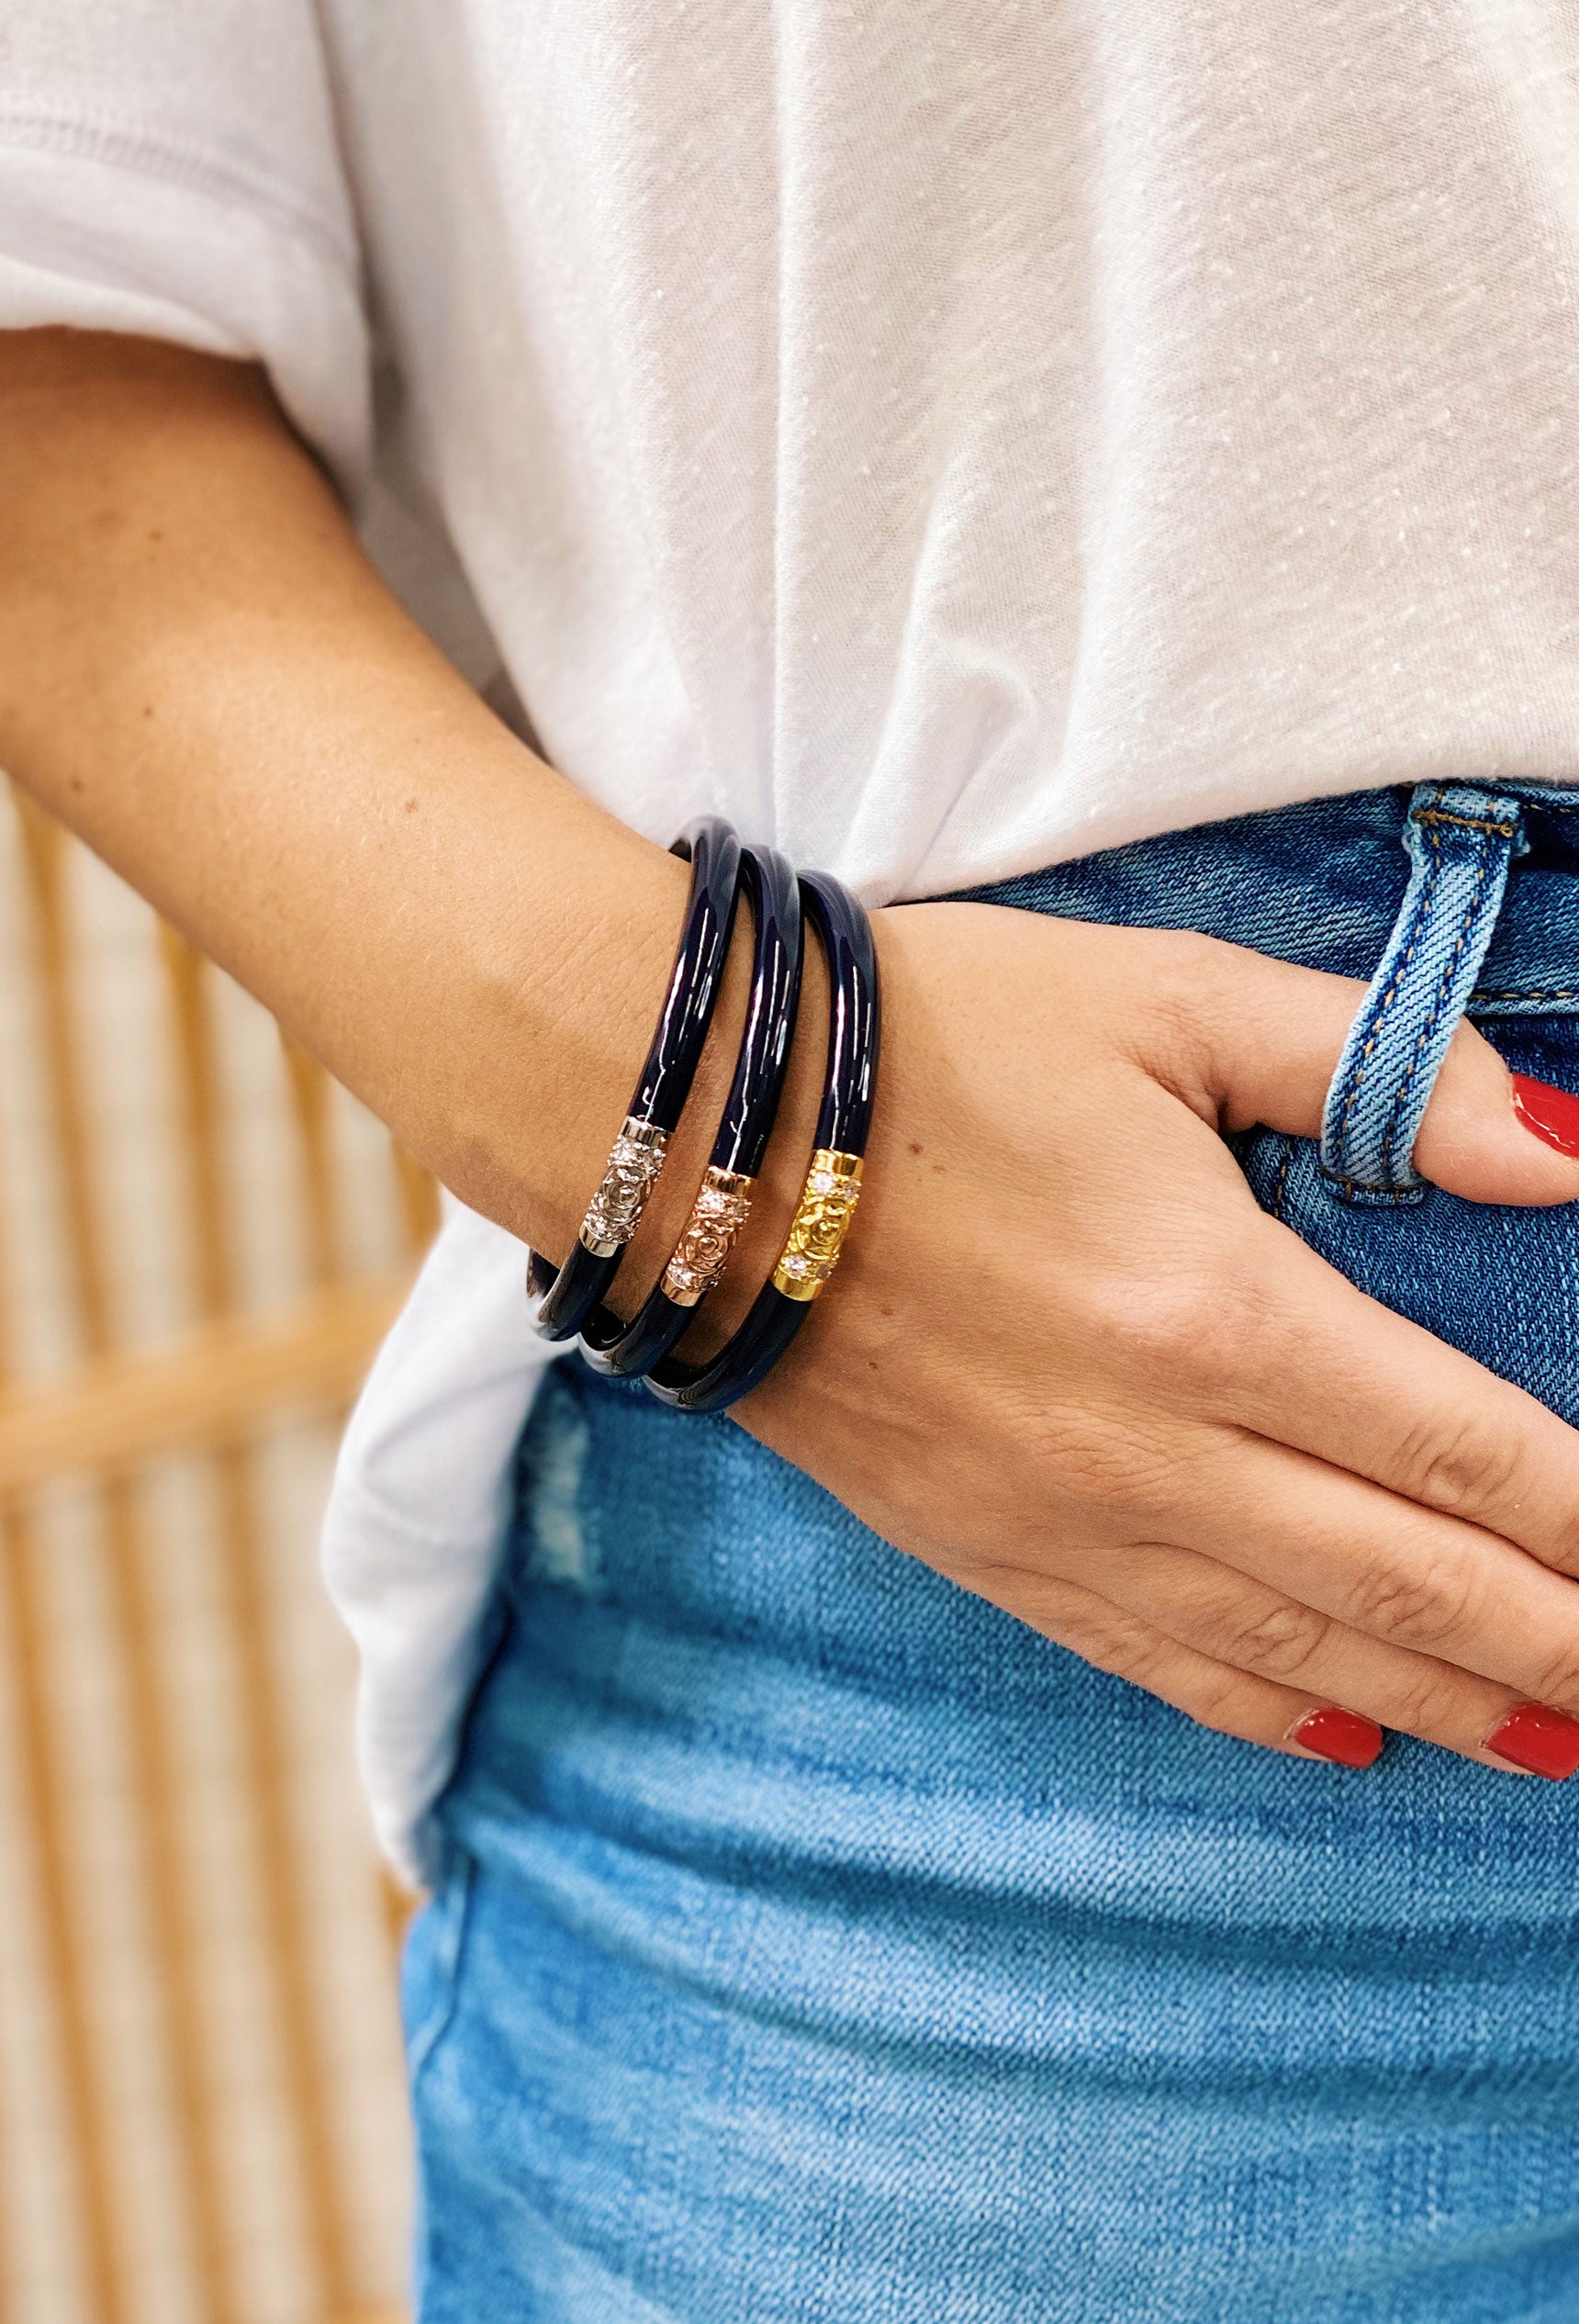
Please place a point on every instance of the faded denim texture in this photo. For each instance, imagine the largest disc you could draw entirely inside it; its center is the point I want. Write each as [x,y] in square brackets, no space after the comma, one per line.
[820,1945]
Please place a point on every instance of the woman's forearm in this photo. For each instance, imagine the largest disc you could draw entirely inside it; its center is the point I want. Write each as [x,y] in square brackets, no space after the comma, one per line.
[202,675]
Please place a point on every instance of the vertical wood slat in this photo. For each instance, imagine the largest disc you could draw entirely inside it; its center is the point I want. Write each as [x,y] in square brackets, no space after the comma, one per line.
[149,1758]
[246,1608]
[309,1097]
[44,1797]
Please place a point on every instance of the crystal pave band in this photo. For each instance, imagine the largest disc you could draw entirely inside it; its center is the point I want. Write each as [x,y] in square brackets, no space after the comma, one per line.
[696,1263]
[636,1162]
[822,1220]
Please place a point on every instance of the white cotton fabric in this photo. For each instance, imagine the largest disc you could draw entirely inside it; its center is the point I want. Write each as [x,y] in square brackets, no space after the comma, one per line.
[945,438]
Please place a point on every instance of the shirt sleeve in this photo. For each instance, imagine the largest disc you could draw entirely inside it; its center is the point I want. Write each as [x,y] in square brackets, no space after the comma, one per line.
[172,169]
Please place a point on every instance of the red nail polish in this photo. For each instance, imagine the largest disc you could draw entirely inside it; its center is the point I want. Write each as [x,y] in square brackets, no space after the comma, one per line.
[1552,1114]
[1343,1735]
[1542,1741]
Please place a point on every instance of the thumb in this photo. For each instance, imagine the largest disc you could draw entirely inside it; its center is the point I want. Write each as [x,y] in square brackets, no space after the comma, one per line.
[1272,1035]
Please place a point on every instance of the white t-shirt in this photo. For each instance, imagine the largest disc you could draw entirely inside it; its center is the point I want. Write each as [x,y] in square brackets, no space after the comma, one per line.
[945,438]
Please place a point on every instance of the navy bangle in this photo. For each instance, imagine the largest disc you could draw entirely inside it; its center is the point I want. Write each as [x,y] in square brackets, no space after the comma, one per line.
[833,1184]
[723,1203]
[569,1293]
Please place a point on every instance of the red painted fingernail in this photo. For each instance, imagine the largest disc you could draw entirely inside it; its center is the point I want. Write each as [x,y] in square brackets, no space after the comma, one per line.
[1343,1735]
[1552,1114]
[1542,1741]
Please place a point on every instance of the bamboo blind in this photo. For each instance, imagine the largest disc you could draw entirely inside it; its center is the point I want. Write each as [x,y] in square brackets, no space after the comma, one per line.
[201,1240]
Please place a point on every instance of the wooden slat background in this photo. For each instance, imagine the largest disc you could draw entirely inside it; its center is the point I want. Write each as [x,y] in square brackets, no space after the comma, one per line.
[201,1240]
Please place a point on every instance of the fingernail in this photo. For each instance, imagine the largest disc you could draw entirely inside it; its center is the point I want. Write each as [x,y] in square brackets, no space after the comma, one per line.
[1343,1735]
[1552,1114]
[1541,1741]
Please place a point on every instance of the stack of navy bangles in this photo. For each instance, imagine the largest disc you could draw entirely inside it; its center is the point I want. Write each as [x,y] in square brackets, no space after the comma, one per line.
[571,1297]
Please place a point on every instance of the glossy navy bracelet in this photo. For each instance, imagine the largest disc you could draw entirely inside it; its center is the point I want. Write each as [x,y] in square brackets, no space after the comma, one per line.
[569,1293]
[832,1185]
[723,1202]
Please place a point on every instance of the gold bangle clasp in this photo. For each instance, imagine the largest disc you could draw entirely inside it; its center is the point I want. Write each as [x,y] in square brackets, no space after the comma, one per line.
[822,1220]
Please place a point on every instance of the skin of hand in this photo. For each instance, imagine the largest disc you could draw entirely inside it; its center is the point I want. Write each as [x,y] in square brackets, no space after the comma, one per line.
[1067,1360]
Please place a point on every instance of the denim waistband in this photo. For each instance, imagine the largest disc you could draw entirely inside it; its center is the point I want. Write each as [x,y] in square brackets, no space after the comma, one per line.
[1322,884]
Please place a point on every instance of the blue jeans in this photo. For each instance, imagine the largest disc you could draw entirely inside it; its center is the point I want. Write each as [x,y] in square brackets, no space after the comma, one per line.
[821,1947]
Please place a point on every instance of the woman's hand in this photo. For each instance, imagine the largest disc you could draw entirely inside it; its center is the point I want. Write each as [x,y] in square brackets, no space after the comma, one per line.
[1071,1363]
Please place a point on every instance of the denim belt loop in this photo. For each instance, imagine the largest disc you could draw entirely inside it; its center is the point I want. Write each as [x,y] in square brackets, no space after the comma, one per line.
[1462,839]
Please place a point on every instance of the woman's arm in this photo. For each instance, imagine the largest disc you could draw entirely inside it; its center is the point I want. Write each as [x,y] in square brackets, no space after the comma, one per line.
[1118,1400]
[201,673]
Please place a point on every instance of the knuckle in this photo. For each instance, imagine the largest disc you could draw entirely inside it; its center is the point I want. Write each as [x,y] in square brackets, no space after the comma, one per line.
[1155,1320]
[1197,1326]
[1428,1607]
[1112,1641]
[1217,1703]
[1430,1703]
[1278,1641]
[1560,1549]
[1545,1523]
[1147,1658]
[1141,1661]
[1462,1469]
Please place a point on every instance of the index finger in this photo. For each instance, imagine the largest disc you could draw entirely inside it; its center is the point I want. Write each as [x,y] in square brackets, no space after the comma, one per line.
[1328,1370]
